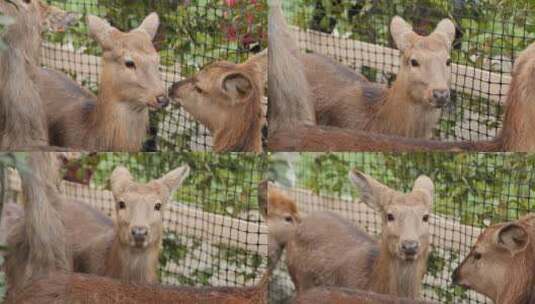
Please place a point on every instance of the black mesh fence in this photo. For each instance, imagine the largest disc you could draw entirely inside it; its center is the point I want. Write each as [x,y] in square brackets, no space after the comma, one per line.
[472,191]
[213,232]
[489,38]
[192,34]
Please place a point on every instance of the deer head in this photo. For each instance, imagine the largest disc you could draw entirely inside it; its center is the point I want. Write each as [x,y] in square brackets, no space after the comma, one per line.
[425,61]
[405,216]
[140,207]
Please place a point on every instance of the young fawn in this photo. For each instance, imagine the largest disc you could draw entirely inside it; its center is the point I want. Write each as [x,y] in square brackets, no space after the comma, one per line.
[22,116]
[501,264]
[293,128]
[130,85]
[227,99]
[328,250]
[129,248]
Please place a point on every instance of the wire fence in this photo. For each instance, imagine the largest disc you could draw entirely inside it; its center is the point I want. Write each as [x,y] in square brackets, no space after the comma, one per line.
[489,38]
[213,232]
[192,34]
[472,191]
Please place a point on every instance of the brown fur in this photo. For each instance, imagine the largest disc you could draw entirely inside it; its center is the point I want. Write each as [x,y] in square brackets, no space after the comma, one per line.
[327,250]
[345,99]
[62,288]
[302,135]
[501,264]
[102,247]
[227,99]
[118,119]
[22,117]
[348,296]
[37,244]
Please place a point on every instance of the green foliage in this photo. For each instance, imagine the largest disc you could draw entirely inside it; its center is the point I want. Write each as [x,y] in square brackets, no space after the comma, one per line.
[4,21]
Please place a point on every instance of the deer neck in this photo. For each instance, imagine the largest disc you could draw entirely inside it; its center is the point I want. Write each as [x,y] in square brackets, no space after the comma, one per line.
[396,277]
[400,114]
[133,264]
[244,133]
[118,125]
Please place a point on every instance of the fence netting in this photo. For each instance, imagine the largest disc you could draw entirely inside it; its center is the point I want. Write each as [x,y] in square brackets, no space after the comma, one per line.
[472,191]
[213,232]
[191,35]
[489,38]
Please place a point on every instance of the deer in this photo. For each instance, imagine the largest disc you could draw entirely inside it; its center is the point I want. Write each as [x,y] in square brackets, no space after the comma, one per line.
[227,99]
[411,107]
[293,126]
[500,264]
[71,288]
[327,250]
[333,295]
[129,248]
[22,116]
[37,244]
[130,85]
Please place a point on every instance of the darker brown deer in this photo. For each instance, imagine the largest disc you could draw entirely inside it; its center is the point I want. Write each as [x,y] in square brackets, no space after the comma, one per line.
[227,99]
[410,108]
[130,85]
[22,116]
[328,250]
[293,129]
[501,265]
[61,288]
[37,243]
[349,296]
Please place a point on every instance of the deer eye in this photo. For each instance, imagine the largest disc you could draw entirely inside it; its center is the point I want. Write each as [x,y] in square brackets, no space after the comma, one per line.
[477,256]
[289,219]
[28,1]
[415,63]
[426,218]
[199,90]
[122,205]
[390,217]
[158,206]
[448,63]
[130,64]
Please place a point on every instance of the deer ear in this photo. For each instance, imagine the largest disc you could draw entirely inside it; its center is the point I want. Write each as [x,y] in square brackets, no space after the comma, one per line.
[150,25]
[372,193]
[57,20]
[263,192]
[426,186]
[512,237]
[237,86]
[101,31]
[174,179]
[120,179]
[402,33]
[446,31]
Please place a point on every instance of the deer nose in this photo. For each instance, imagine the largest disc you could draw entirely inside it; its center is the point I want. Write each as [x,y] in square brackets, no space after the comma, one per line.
[163,101]
[441,97]
[455,276]
[173,90]
[139,233]
[410,247]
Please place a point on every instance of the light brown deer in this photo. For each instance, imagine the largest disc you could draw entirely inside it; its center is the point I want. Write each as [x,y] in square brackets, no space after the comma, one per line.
[37,244]
[293,129]
[128,249]
[227,99]
[130,85]
[349,296]
[328,250]
[410,108]
[22,117]
[501,264]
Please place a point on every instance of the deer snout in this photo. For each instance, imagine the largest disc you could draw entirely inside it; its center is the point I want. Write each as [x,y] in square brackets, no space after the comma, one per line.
[162,101]
[174,90]
[441,97]
[455,276]
[410,248]
[139,233]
